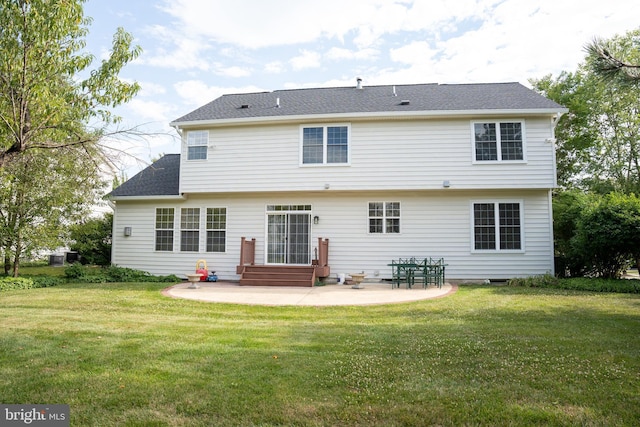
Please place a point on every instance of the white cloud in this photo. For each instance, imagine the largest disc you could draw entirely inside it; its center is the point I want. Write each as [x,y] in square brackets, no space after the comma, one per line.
[337,54]
[150,110]
[184,52]
[196,93]
[306,59]
[274,67]
[233,71]
[151,89]
[258,23]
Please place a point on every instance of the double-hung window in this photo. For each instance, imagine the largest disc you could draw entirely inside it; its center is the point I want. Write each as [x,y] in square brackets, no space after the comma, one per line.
[216,229]
[497,226]
[190,229]
[325,145]
[164,229]
[384,217]
[498,141]
[197,144]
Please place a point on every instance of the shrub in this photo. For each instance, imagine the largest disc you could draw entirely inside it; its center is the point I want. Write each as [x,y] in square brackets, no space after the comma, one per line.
[13,283]
[543,281]
[75,271]
[578,284]
[80,273]
[92,240]
[46,281]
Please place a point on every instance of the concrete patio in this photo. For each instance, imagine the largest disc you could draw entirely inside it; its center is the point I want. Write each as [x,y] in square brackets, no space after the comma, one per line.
[329,295]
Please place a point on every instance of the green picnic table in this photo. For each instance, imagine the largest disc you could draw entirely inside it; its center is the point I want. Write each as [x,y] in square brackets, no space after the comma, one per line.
[430,270]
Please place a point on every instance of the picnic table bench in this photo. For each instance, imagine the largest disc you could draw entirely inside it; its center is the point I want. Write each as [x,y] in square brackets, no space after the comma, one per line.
[429,270]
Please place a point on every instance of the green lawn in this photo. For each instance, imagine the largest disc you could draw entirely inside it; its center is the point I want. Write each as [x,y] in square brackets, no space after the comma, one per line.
[122,354]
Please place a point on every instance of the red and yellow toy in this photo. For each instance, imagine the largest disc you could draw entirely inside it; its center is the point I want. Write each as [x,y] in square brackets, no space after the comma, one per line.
[203,271]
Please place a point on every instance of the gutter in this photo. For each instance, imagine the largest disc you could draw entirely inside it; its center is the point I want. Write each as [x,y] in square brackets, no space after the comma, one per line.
[367,115]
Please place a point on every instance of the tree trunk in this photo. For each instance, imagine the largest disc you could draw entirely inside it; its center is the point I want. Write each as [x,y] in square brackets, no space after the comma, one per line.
[7,261]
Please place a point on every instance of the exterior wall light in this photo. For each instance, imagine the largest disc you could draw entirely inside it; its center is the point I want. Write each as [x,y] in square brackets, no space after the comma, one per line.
[316,220]
[127,231]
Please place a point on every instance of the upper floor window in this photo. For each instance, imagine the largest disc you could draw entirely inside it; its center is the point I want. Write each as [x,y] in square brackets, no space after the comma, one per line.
[498,141]
[164,229]
[323,145]
[197,144]
[497,226]
[384,217]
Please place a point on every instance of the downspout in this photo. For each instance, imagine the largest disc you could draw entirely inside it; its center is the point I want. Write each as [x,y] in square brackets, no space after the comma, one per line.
[552,140]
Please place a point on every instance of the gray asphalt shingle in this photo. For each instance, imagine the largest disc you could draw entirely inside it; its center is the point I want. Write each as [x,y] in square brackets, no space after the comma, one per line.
[371,99]
[162,178]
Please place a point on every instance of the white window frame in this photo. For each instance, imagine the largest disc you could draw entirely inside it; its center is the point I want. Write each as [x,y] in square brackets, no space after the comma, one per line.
[325,150]
[156,229]
[499,159]
[496,211]
[207,229]
[384,218]
[185,229]
[197,139]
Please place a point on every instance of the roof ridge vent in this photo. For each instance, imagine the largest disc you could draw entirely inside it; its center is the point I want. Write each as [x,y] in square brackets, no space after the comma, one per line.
[358,83]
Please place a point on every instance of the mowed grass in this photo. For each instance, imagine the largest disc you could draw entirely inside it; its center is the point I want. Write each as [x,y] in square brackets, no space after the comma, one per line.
[123,354]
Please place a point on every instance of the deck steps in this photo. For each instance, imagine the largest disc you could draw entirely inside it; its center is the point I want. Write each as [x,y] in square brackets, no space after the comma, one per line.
[272,275]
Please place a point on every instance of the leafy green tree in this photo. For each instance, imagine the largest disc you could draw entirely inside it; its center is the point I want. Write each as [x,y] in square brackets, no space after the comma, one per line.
[619,62]
[48,97]
[607,234]
[599,139]
[567,210]
[92,239]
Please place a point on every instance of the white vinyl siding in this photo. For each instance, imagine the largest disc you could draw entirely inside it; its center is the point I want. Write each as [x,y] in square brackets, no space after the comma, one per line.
[409,155]
[434,224]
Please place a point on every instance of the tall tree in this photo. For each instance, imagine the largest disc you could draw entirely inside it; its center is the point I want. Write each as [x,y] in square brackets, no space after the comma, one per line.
[49,96]
[599,140]
[617,59]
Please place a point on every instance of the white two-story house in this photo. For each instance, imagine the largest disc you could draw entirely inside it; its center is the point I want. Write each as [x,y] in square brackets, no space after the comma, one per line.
[358,175]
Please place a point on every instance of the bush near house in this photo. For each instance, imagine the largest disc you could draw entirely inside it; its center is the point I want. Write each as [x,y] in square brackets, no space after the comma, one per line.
[593,284]
[597,235]
[81,273]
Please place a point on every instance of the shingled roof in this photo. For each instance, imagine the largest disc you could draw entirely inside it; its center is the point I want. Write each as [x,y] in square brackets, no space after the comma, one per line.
[162,178]
[371,99]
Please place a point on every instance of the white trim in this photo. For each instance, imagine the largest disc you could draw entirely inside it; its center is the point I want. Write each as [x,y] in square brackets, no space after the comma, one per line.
[155,229]
[369,115]
[226,228]
[497,250]
[197,143]
[523,129]
[325,127]
[384,217]
[144,198]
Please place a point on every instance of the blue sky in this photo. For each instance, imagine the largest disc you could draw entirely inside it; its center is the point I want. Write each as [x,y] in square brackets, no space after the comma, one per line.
[197,50]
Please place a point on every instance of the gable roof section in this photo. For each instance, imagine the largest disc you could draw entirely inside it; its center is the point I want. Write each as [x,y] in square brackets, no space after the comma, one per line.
[162,178]
[371,99]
